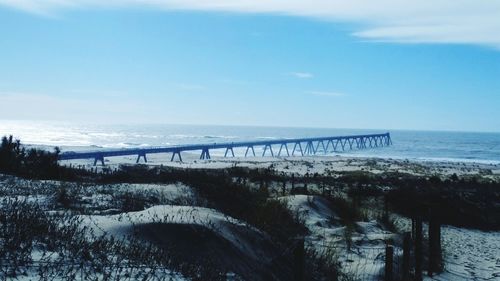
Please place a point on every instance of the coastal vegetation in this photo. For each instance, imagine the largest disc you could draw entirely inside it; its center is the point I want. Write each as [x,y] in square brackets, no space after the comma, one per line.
[32,163]
[45,218]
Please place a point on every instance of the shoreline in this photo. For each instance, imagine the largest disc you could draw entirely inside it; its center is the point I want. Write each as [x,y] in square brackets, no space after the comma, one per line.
[216,154]
[321,164]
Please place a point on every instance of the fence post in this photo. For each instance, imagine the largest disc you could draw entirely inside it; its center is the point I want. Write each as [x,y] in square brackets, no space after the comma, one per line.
[434,245]
[299,255]
[386,206]
[418,249]
[406,256]
[389,259]
[413,227]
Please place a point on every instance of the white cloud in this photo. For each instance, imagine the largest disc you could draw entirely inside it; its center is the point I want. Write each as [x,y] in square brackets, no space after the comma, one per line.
[326,94]
[302,75]
[474,22]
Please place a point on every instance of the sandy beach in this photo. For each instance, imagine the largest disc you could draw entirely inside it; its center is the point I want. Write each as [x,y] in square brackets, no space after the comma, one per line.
[317,190]
[322,164]
[477,262]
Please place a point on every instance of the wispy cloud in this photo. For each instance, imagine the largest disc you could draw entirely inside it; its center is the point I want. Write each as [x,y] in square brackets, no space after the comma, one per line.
[326,94]
[426,21]
[302,75]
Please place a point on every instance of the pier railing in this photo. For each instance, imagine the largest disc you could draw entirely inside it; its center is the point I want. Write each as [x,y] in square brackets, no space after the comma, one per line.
[287,147]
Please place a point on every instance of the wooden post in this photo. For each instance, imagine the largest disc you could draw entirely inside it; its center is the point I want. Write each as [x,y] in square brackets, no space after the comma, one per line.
[386,206]
[434,246]
[299,260]
[438,243]
[418,249]
[413,227]
[406,256]
[389,259]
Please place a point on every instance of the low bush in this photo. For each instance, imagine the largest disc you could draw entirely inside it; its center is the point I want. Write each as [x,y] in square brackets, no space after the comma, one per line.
[47,247]
[34,163]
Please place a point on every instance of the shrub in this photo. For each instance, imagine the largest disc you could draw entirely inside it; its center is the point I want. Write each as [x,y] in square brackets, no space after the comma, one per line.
[64,198]
[131,203]
[33,163]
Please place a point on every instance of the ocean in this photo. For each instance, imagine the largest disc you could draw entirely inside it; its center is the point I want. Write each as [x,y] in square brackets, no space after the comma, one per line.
[414,145]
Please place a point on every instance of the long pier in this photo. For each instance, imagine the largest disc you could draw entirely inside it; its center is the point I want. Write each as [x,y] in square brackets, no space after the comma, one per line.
[304,146]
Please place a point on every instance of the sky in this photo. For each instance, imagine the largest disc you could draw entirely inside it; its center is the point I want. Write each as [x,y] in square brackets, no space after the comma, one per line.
[417,65]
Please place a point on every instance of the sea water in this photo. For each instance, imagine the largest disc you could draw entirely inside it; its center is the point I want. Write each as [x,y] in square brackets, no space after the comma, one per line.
[407,144]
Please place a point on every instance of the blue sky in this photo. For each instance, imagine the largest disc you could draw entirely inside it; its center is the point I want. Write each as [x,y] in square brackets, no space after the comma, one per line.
[258,63]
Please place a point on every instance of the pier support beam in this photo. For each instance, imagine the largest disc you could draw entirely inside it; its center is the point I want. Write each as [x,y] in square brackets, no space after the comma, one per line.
[328,145]
[229,149]
[248,148]
[322,145]
[295,147]
[99,158]
[351,142]
[139,158]
[205,154]
[270,149]
[178,153]
[336,144]
[309,148]
[286,148]
[370,139]
[343,143]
